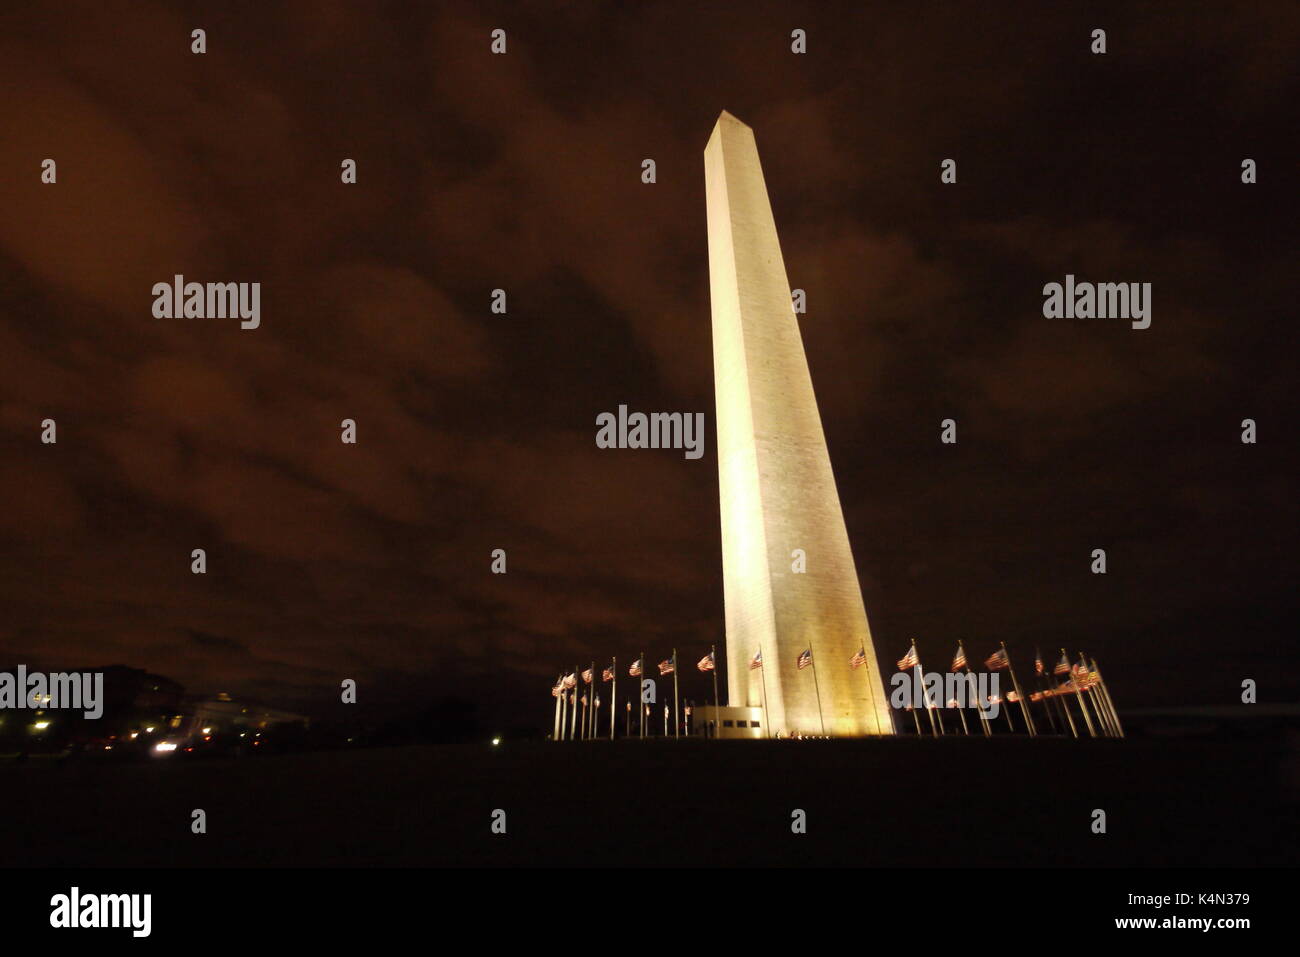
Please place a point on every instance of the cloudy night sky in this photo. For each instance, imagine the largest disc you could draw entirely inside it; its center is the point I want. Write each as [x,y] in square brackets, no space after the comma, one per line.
[477,431]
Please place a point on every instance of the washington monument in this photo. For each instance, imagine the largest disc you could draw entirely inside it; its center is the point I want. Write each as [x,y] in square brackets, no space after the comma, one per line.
[775,483]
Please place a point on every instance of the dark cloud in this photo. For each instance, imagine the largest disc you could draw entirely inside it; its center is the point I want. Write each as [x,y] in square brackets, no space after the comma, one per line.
[476,431]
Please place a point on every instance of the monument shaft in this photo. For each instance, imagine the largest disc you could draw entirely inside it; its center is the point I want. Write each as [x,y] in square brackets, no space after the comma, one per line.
[776,487]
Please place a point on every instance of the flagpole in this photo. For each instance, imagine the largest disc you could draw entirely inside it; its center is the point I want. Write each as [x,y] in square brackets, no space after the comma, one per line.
[1103,720]
[1083,706]
[1053,707]
[1045,702]
[1087,717]
[577,674]
[713,656]
[1024,705]
[935,712]
[762,675]
[1104,698]
[1065,708]
[641,704]
[677,706]
[1006,712]
[1063,711]
[813,661]
[971,682]
[871,687]
[961,707]
[1038,680]
[916,719]
[919,675]
[1110,702]
[938,713]
[1100,705]
[1039,668]
[613,695]
[871,692]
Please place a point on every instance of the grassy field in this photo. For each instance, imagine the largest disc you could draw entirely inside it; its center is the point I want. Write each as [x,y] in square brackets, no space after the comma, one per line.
[904,802]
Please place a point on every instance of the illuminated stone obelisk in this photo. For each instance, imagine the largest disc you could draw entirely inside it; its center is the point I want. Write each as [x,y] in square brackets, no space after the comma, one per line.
[774,476]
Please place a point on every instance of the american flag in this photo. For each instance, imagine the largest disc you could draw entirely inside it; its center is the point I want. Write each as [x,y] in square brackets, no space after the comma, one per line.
[859,659]
[805,659]
[757,660]
[1062,666]
[607,674]
[1038,663]
[570,680]
[706,663]
[635,669]
[909,660]
[959,659]
[998,660]
[667,667]
[587,676]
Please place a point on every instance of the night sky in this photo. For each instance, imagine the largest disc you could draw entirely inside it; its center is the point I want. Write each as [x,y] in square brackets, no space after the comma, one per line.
[477,431]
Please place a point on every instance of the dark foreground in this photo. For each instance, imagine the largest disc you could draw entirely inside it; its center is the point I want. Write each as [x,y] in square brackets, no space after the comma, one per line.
[947,802]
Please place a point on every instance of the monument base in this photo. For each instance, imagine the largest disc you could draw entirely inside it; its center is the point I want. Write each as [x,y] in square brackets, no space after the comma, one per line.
[729,722]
